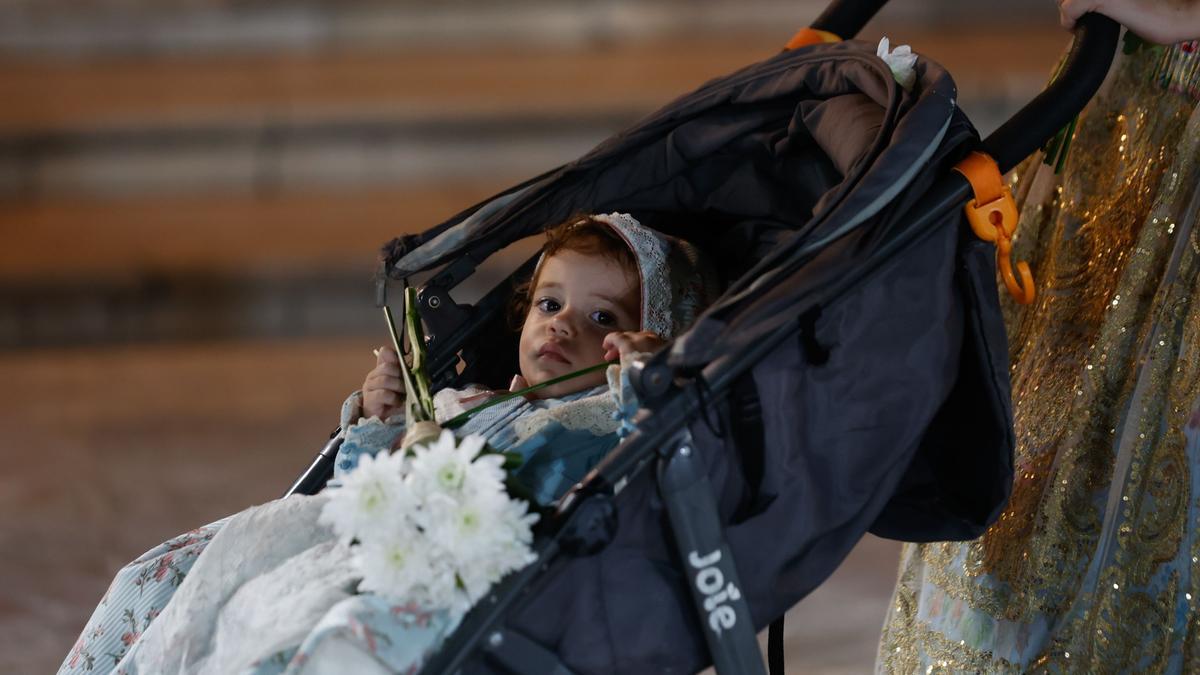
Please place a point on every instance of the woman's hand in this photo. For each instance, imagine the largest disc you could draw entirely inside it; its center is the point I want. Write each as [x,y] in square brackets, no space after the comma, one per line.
[383,390]
[1162,21]
[621,345]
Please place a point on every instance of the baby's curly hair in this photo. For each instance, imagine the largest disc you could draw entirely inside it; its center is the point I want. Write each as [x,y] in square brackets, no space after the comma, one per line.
[580,233]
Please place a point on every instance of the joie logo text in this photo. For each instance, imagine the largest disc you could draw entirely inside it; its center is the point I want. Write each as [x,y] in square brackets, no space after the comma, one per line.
[717,595]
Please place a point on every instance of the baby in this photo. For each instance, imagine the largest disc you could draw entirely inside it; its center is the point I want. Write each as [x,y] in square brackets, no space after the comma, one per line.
[605,288]
[582,308]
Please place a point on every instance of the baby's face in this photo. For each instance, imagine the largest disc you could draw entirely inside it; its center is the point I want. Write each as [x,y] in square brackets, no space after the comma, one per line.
[578,300]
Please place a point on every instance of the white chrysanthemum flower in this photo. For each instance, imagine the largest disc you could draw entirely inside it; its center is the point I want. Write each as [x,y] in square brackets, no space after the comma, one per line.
[439,590]
[468,526]
[443,465]
[901,60]
[518,525]
[396,568]
[485,474]
[519,521]
[478,580]
[505,548]
[371,498]
[437,529]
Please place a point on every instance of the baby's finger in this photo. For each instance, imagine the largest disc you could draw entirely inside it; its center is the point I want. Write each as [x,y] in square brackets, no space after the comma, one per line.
[388,398]
[613,344]
[386,355]
[379,403]
[630,341]
[386,405]
[646,340]
[385,383]
[518,383]
[389,369]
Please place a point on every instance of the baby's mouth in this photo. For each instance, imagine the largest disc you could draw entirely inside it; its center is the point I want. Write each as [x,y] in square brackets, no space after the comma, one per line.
[551,352]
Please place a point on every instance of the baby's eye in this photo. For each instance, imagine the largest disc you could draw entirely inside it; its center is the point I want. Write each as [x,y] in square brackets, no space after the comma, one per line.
[548,305]
[604,318]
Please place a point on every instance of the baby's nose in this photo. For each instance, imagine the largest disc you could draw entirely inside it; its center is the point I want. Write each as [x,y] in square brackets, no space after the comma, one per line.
[563,323]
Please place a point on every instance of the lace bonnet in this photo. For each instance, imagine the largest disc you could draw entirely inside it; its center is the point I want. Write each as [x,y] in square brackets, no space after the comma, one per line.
[677,283]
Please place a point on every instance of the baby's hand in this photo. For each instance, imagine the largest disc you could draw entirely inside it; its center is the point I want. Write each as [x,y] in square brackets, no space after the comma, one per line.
[621,345]
[383,390]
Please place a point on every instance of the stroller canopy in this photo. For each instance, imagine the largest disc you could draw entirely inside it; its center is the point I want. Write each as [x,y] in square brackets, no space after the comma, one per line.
[797,140]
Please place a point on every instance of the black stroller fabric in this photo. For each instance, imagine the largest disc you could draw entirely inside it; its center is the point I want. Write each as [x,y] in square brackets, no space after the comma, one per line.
[889,409]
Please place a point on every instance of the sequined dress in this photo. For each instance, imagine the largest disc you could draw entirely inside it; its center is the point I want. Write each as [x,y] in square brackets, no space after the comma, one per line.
[1094,565]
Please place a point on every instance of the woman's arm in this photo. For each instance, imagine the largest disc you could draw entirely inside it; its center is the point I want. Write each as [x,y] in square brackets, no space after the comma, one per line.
[1162,21]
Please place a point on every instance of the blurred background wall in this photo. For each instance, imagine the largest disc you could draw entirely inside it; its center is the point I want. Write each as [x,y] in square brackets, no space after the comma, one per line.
[192,193]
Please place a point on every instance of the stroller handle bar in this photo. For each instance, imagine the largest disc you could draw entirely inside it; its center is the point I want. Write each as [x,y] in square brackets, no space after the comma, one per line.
[846,18]
[1029,128]
[1082,74]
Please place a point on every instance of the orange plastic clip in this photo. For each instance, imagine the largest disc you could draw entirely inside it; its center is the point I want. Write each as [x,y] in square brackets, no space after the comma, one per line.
[993,217]
[810,36]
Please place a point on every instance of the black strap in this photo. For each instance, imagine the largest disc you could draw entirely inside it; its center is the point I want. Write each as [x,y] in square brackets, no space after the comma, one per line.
[775,647]
[519,655]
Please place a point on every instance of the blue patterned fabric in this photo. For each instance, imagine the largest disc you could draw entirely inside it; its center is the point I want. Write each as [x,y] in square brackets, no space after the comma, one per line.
[134,599]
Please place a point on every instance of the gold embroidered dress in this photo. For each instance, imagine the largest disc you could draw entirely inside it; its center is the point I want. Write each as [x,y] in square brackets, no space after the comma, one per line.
[1093,566]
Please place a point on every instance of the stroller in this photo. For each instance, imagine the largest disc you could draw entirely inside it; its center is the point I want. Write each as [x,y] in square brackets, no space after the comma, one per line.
[853,377]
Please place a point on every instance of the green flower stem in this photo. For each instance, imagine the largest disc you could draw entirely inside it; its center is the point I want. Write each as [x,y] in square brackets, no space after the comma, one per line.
[1066,144]
[416,343]
[459,420]
[418,399]
[1054,153]
[405,373]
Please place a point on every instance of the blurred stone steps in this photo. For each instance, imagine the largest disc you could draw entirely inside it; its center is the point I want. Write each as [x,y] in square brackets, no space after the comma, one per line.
[280,123]
[156,27]
[99,271]
[48,97]
[73,241]
[460,84]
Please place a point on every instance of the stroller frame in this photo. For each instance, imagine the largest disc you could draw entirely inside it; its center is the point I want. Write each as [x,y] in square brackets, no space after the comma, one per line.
[585,518]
